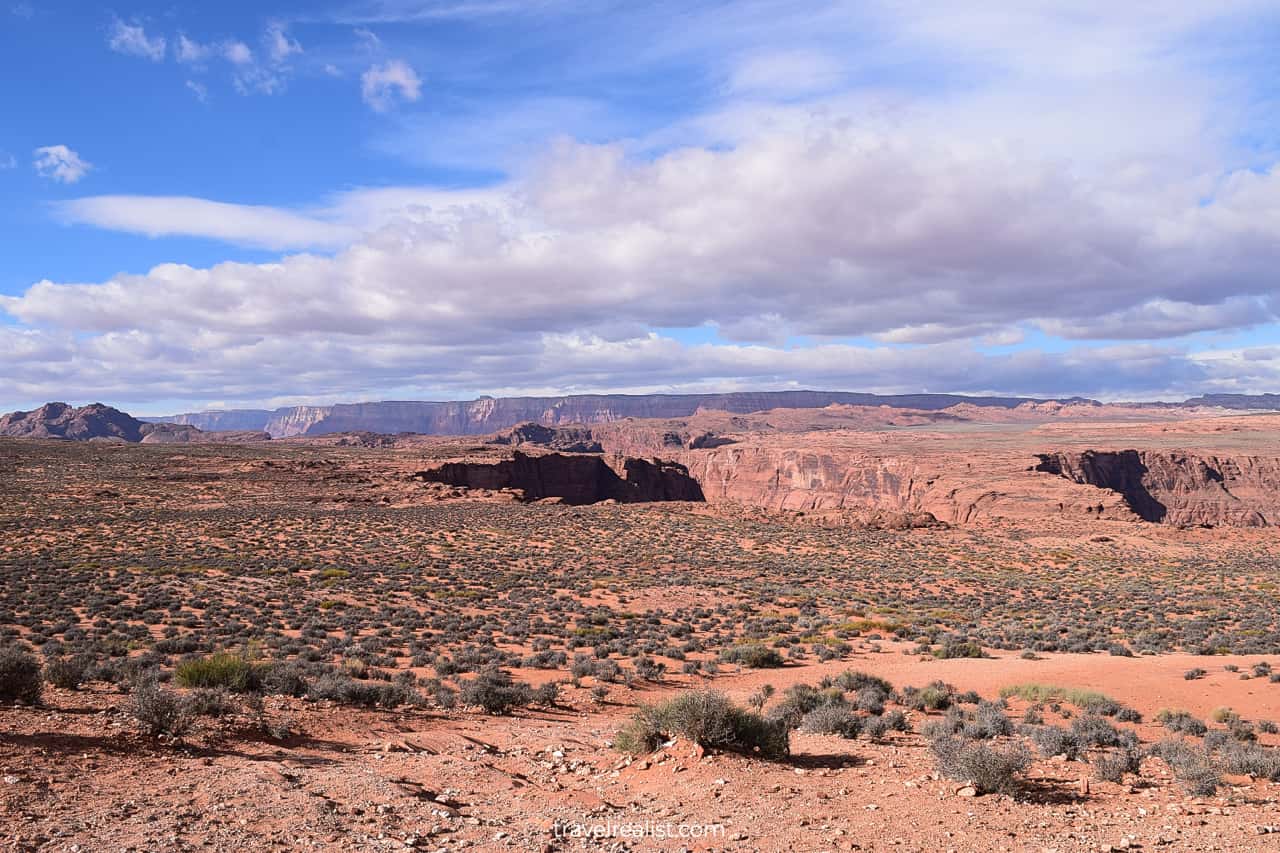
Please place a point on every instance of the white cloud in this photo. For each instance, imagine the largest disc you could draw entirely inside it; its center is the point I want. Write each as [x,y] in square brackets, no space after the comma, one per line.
[367,40]
[133,40]
[245,225]
[192,52]
[200,90]
[382,85]
[237,52]
[60,163]
[23,10]
[280,46]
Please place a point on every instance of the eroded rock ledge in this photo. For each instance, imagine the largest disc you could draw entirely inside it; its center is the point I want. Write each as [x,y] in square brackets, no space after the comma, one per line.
[573,479]
[1175,487]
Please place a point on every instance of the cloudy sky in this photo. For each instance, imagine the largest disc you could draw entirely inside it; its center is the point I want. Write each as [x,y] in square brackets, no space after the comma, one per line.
[257,203]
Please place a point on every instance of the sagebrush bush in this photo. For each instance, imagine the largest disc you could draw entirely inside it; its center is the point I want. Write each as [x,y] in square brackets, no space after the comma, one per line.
[161,711]
[1054,740]
[1191,766]
[495,691]
[753,656]
[20,676]
[1182,722]
[832,719]
[990,769]
[1112,766]
[707,718]
[67,673]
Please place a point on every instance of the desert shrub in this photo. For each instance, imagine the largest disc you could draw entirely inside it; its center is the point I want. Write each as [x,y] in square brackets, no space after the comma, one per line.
[649,669]
[959,649]
[871,699]
[988,768]
[853,680]
[1261,669]
[1111,766]
[345,690]
[1191,766]
[447,698]
[1181,722]
[20,676]
[1268,727]
[160,710]
[546,694]
[1093,730]
[877,726]
[1226,716]
[753,656]
[832,719]
[211,702]
[66,672]
[1129,715]
[1194,673]
[1249,759]
[284,678]
[708,719]
[1047,693]
[495,691]
[642,733]
[1055,740]
[936,696]
[989,721]
[222,669]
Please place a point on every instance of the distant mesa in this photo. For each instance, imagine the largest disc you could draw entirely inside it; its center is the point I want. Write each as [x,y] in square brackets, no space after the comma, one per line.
[492,414]
[98,422]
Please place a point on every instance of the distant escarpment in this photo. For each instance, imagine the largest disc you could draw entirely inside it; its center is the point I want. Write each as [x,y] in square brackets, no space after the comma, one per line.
[490,414]
[1174,487]
[96,422]
[574,479]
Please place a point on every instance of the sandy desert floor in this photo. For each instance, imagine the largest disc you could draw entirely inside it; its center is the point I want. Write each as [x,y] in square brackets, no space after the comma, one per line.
[329,559]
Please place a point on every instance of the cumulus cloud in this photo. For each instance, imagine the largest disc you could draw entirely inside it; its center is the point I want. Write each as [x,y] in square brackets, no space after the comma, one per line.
[381,86]
[59,163]
[132,39]
[1071,180]
[918,242]
[192,52]
[280,46]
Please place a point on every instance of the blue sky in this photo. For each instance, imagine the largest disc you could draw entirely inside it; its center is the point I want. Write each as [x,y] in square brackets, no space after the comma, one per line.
[233,204]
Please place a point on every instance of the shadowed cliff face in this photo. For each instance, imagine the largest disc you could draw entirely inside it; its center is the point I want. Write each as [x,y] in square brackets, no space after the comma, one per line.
[1120,471]
[574,479]
[1174,487]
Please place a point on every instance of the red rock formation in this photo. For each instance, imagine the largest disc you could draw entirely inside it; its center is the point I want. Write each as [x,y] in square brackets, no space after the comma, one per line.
[574,479]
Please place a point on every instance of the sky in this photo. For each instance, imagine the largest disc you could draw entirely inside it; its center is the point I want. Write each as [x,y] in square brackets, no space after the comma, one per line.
[258,204]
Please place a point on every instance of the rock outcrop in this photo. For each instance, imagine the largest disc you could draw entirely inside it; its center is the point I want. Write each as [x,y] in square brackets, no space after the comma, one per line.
[575,479]
[96,422]
[60,420]
[567,439]
[1175,487]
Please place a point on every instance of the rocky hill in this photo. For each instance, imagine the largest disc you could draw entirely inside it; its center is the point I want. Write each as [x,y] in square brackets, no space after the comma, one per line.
[98,422]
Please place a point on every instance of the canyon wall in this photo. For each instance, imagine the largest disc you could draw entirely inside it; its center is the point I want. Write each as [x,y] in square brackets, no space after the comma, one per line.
[575,479]
[1176,487]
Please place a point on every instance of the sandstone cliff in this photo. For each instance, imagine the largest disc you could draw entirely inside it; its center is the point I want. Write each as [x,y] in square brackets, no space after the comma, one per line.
[576,479]
[1175,487]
